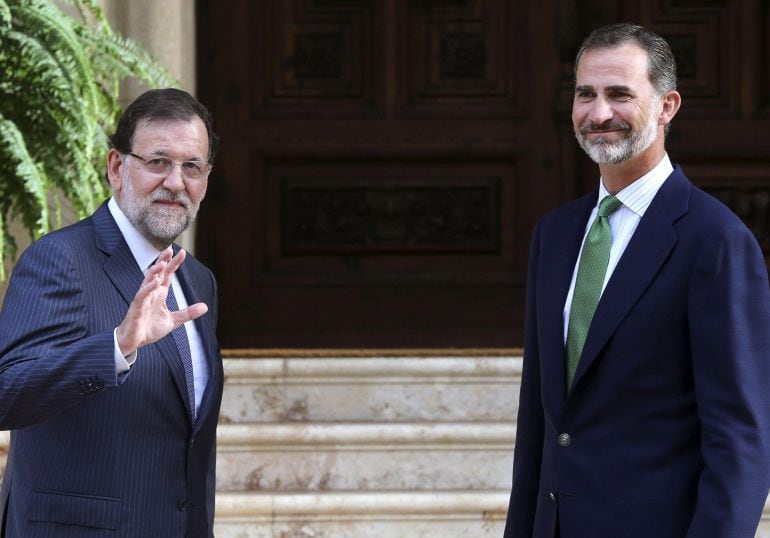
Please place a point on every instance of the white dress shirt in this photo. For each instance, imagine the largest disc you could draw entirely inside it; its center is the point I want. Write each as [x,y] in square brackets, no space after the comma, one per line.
[636,198]
[145,254]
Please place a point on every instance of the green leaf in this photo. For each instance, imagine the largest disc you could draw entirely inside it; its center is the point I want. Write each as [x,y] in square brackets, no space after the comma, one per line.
[5,22]
[13,150]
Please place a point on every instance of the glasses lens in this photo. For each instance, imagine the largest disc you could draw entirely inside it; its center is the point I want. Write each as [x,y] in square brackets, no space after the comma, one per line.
[163,166]
[192,169]
[159,165]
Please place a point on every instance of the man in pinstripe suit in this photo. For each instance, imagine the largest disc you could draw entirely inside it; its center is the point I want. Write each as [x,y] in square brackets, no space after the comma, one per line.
[110,373]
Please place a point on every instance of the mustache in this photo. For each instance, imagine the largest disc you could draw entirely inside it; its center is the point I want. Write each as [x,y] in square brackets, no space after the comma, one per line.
[604,127]
[163,195]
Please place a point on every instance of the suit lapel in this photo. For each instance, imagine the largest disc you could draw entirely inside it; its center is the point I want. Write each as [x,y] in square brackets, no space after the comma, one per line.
[120,265]
[648,249]
[121,268]
[562,239]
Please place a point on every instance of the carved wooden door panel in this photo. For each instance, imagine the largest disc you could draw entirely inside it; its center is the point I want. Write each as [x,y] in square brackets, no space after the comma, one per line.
[722,134]
[383,161]
[381,168]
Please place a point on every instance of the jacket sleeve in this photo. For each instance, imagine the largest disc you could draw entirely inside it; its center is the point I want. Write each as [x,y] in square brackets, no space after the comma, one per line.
[48,360]
[530,423]
[729,305]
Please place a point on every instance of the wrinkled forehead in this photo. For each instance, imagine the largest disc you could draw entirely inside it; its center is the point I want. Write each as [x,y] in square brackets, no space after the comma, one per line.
[187,138]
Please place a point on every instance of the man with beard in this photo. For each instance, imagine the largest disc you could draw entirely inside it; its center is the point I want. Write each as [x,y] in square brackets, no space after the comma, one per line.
[645,400]
[110,373]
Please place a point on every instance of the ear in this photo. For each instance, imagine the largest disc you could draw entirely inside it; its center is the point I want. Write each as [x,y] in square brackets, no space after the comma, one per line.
[115,169]
[671,103]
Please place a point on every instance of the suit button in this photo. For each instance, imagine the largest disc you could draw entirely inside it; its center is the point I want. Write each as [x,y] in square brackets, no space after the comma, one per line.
[191,443]
[552,496]
[565,440]
[182,505]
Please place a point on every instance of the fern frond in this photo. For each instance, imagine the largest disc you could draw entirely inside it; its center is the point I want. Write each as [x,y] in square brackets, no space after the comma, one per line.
[118,54]
[43,21]
[92,14]
[59,82]
[13,150]
[52,116]
[46,23]
[5,22]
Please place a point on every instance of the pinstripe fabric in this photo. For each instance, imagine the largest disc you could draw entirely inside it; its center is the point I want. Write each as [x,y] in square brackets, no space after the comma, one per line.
[93,454]
[180,339]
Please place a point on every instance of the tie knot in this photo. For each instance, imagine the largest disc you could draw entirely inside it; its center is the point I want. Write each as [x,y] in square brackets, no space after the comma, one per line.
[609,205]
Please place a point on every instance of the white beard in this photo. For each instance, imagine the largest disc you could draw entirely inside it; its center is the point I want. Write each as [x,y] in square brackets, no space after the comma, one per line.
[158,224]
[604,151]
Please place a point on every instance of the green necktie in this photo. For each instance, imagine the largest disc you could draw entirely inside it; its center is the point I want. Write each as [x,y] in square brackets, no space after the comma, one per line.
[588,284]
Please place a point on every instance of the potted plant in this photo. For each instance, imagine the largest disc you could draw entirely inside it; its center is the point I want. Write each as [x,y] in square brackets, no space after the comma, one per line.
[59,82]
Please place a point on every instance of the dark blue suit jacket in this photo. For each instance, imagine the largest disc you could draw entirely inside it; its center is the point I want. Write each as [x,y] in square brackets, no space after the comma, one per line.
[669,414]
[93,454]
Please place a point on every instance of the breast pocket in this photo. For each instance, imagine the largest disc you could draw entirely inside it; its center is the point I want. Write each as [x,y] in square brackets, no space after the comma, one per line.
[67,508]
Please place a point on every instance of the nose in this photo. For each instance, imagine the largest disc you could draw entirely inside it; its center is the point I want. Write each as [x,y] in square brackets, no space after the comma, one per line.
[174,181]
[600,112]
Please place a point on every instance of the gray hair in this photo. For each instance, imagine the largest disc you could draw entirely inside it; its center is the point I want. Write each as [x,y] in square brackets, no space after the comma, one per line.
[161,105]
[662,66]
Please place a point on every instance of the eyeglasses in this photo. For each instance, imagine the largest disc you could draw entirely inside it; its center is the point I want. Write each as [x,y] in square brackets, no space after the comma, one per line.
[162,166]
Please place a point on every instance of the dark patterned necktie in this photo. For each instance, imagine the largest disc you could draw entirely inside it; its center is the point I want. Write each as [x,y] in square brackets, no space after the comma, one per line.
[183,345]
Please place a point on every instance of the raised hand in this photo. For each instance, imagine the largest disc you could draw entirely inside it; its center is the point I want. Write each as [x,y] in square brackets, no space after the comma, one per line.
[148,318]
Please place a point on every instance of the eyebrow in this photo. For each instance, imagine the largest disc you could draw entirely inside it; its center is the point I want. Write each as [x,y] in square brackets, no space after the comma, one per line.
[165,154]
[615,88]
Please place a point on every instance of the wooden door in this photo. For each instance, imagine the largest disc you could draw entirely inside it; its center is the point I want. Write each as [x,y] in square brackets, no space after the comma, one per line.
[383,162]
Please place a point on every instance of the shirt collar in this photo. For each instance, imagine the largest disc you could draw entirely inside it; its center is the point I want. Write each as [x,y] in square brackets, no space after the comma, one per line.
[144,253]
[638,195]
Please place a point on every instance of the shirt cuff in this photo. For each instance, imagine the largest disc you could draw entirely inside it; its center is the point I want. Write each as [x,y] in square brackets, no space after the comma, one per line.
[123,363]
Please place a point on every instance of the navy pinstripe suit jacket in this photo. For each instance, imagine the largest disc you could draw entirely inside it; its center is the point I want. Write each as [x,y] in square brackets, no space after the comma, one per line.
[93,454]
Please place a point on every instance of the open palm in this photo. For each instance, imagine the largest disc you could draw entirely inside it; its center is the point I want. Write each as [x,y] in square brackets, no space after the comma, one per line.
[148,318]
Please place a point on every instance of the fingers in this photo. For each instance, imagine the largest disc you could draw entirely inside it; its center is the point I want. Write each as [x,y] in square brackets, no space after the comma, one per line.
[165,255]
[151,282]
[148,318]
[160,273]
[156,272]
[165,266]
[171,262]
[189,313]
[176,260]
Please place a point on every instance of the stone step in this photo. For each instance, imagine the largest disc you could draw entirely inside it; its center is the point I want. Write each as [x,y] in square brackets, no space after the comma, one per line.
[385,514]
[313,457]
[371,389]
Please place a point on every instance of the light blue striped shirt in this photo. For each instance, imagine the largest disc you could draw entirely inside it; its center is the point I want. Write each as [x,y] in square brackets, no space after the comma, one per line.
[636,198]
